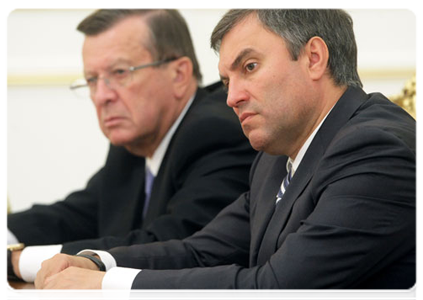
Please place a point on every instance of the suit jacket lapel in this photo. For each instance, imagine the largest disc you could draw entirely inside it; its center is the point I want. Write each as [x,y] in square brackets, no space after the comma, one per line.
[264,190]
[125,194]
[160,191]
[282,210]
[340,114]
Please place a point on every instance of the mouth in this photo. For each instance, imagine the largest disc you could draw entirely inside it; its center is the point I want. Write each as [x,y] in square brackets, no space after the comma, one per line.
[245,116]
[112,121]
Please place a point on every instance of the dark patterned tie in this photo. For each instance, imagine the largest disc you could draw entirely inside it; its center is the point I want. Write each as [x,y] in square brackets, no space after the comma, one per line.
[285,182]
[149,178]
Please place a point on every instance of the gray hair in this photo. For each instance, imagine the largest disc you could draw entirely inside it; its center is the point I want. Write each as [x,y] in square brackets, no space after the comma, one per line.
[297,27]
[169,33]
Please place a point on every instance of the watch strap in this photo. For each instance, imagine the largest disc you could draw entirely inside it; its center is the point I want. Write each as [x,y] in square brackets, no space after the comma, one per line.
[10,272]
[100,265]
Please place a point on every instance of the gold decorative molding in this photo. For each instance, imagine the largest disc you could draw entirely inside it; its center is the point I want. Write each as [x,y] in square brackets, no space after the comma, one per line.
[34,80]
[65,79]
[407,98]
[386,73]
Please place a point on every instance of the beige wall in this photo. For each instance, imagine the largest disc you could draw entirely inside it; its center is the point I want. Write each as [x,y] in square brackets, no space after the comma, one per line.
[53,141]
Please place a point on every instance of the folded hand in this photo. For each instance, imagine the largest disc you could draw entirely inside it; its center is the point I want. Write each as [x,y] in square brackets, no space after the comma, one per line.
[74,278]
[58,264]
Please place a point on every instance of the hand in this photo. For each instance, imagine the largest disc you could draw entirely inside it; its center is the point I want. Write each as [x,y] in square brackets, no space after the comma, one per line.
[57,264]
[73,278]
[15,263]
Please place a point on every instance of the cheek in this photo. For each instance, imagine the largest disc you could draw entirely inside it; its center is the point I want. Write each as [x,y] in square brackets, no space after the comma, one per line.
[146,95]
[99,114]
[136,102]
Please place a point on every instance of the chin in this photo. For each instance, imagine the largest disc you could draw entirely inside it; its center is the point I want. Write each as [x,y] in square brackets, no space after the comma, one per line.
[261,143]
[257,142]
[119,140]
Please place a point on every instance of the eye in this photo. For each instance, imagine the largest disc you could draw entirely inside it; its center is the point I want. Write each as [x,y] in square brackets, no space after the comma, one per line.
[225,85]
[91,81]
[250,67]
[119,73]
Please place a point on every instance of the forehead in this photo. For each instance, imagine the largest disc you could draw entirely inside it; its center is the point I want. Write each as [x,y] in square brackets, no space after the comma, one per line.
[123,41]
[248,37]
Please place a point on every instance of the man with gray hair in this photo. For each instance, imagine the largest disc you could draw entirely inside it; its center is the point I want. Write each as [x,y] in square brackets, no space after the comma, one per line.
[177,156]
[332,193]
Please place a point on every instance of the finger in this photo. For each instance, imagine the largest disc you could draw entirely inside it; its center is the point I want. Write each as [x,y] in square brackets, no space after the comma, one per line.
[48,268]
[52,266]
[54,282]
[39,279]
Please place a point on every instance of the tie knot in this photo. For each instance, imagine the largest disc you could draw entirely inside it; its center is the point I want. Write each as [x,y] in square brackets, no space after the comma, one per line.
[149,178]
[148,172]
[289,169]
[285,181]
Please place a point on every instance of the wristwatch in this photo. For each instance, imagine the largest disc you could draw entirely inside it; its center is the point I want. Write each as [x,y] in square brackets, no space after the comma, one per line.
[10,248]
[100,265]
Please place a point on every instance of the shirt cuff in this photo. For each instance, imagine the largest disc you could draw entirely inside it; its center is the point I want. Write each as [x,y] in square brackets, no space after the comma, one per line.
[107,259]
[119,278]
[11,238]
[32,257]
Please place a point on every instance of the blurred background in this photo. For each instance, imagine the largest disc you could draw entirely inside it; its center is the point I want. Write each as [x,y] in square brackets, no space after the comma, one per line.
[54,144]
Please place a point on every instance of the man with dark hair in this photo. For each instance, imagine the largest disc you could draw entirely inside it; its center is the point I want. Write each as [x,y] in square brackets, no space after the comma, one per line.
[332,193]
[177,155]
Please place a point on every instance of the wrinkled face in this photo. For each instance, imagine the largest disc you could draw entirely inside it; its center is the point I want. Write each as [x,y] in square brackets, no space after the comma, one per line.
[271,94]
[134,113]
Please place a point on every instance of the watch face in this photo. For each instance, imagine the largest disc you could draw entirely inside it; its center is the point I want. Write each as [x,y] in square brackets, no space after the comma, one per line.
[15,247]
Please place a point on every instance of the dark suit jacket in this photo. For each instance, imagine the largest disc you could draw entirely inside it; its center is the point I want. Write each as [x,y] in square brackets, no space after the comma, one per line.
[347,219]
[204,169]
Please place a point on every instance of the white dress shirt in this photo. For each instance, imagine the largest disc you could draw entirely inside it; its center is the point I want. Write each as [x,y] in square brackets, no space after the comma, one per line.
[11,238]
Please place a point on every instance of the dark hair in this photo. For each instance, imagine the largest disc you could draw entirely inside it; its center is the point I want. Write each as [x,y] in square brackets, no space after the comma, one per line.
[169,33]
[296,27]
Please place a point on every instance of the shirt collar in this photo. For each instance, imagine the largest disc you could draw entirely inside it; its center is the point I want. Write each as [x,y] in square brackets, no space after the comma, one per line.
[155,161]
[296,162]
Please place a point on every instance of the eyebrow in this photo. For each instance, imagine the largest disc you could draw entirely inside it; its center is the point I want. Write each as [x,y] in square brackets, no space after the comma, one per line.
[117,62]
[238,60]
[240,57]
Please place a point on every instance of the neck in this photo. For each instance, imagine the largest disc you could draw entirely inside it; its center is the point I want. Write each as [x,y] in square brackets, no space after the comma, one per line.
[329,99]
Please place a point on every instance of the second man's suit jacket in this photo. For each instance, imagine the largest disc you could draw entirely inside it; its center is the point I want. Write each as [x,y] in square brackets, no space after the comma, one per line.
[347,219]
[204,169]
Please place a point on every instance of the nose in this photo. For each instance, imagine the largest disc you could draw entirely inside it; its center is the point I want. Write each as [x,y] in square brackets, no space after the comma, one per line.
[236,94]
[102,93]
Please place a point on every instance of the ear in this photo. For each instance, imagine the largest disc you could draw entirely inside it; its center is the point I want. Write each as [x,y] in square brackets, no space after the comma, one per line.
[182,74]
[317,54]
